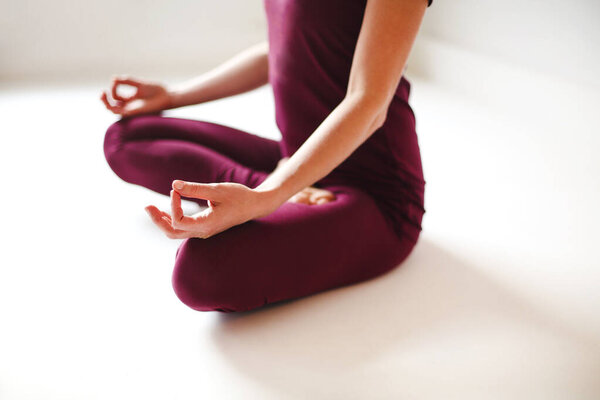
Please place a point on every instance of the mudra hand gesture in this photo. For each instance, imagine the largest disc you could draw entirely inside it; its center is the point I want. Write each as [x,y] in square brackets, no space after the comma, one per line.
[229,204]
[149,97]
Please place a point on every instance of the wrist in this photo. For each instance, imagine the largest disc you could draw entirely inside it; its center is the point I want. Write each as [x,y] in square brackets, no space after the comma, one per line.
[175,97]
[269,198]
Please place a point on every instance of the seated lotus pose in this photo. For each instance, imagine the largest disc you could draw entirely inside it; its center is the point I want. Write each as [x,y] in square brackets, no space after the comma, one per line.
[338,200]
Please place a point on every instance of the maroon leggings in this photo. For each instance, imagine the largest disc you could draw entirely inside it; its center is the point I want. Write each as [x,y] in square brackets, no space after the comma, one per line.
[293,252]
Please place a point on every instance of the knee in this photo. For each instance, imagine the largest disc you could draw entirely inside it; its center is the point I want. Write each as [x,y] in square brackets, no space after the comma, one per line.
[203,278]
[113,142]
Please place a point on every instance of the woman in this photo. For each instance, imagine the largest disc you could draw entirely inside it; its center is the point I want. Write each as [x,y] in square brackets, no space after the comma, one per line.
[337,201]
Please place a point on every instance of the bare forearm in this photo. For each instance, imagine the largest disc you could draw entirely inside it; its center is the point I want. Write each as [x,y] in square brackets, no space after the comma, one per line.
[377,66]
[342,132]
[244,72]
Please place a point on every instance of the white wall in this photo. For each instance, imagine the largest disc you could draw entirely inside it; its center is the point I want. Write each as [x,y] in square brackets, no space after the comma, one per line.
[89,39]
[551,37]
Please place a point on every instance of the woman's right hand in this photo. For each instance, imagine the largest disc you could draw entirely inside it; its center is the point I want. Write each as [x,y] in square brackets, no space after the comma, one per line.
[149,97]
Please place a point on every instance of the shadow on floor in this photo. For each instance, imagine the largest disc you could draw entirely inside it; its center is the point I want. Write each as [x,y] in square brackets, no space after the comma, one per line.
[434,291]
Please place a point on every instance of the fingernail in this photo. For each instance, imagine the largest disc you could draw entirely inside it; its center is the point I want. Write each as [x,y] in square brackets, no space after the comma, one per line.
[178,184]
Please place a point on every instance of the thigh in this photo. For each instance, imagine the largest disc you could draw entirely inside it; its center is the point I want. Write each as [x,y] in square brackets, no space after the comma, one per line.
[152,151]
[156,163]
[245,148]
[296,251]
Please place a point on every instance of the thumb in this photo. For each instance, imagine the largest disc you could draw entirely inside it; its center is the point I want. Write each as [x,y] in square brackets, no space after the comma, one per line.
[196,190]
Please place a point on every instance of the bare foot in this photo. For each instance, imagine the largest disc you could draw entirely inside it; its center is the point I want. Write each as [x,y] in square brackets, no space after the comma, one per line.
[310,195]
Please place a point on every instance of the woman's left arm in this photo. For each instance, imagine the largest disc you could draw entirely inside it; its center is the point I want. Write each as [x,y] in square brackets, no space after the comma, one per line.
[387,34]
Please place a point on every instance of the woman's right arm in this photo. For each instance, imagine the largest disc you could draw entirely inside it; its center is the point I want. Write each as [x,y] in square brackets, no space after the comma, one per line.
[245,71]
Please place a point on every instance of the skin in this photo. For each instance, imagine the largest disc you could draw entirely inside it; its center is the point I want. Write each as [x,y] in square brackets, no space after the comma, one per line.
[387,34]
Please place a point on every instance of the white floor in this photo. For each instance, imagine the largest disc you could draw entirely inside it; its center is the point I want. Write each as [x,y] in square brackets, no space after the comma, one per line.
[500,298]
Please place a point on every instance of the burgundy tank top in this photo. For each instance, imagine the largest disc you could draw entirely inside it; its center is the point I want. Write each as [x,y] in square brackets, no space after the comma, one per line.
[311,45]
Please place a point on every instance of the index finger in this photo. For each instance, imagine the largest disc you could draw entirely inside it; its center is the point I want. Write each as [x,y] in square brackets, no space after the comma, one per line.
[120,81]
[179,220]
[115,109]
[176,210]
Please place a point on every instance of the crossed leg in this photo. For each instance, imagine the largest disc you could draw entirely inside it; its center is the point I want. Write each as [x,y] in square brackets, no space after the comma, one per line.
[152,151]
[293,252]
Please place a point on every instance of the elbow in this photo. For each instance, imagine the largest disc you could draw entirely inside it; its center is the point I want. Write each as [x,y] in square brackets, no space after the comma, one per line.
[375,107]
[380,106]
[380,118]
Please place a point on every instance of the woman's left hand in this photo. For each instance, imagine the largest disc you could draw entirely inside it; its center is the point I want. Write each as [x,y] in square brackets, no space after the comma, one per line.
[229,204]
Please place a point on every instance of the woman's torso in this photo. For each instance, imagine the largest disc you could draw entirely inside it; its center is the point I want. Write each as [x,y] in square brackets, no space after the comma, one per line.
[311,45]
